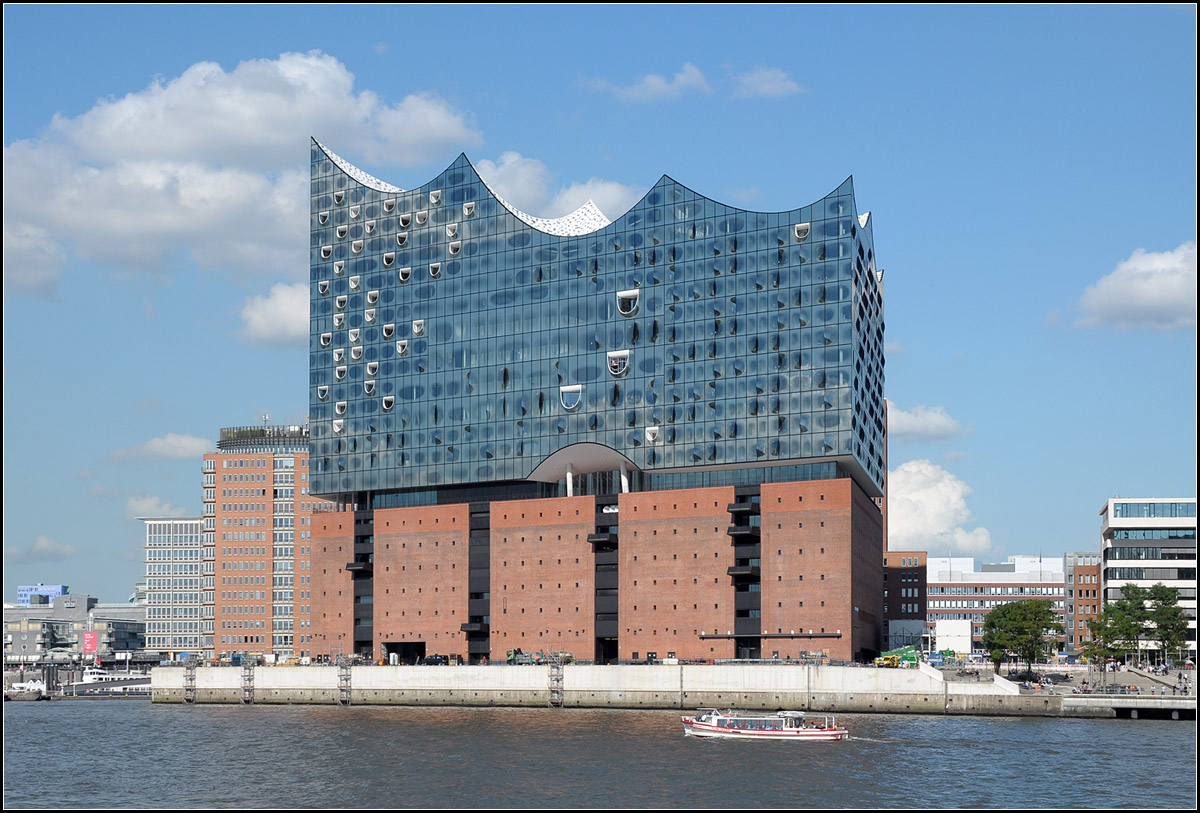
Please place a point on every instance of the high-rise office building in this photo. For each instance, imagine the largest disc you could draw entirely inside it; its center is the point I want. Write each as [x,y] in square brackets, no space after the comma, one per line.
[1147,542]
[662,435]
[258,502]
[1081,570]
[173,586]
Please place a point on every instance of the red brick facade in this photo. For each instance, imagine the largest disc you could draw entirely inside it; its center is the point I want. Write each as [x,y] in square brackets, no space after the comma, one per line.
[420,589]
[675,552]
[820,570]
[543,584]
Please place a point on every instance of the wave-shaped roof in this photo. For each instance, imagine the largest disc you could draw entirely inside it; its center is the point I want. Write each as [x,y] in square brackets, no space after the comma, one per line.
[584,220]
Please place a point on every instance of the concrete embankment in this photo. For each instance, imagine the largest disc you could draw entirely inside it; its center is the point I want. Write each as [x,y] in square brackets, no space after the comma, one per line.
[751,686]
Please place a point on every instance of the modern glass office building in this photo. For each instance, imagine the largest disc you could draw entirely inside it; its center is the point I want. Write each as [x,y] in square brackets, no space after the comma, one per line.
[465,352]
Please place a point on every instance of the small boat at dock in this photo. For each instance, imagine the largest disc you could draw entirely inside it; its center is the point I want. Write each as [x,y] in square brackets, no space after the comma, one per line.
[29,690]
[750,725]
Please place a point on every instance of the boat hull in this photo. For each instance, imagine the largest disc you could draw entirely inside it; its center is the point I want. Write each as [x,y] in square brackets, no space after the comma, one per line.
[692,728]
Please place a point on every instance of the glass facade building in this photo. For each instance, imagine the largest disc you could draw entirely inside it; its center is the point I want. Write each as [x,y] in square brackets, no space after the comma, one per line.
[458,341]
[492,394]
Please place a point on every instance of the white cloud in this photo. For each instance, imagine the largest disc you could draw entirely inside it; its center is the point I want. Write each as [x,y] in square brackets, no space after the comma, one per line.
[765,82]
[169,447]
[526,183]
[893,348]
[921,424]
[523,182]
[279,318]
[653,87]
[43,549]
[208,166]
[148,506]
[927,510]
[1150,289]
[33,262]
[612,198]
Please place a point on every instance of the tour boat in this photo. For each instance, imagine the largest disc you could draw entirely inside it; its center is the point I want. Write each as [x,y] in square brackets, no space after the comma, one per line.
[748,725]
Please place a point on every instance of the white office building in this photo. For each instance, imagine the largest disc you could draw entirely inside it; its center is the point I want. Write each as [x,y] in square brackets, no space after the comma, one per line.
[173,564]
[1148,541]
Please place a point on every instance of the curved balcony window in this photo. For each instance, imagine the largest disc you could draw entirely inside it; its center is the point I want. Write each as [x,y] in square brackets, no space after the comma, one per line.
[389,331]
[372,367]
[341,301]
[340,373]
[369,386]
[323,287]
[388,259]
[389,204]
[651,434]
[618,362]
[355,283]
[338,197]
[369,316]
[418,327]
[435,197]
[422,216]
[326,252]
[435,270]
[372,297]
[326,339]
[402,239]
[627,301]
[802,231]
[339,354]
[451,229]
[388,402]
[402,347]
[405,273]
[355,334]
[339,267]
[356,352]
[370,227]
[354,210]
[342,231]
[404,220]
[339,319]
[469,209]
[322,217]
[339,408]
[455,247]
[356,247]
[322,393]
[570,396]
[338,425]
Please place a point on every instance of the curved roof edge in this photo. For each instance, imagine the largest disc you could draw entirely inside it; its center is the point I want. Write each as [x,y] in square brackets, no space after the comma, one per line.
[583,221]
[582,457]
[356,173]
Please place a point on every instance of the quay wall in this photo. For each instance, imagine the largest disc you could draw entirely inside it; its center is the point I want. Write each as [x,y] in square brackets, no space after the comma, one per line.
[815,688]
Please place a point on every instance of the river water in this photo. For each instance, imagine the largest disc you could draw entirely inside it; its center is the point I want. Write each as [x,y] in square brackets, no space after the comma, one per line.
[132,754]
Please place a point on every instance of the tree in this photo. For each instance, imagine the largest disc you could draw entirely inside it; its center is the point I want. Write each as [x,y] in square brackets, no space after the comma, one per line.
[1021,627]
[1129,618]
[1105,641]
[1169,621]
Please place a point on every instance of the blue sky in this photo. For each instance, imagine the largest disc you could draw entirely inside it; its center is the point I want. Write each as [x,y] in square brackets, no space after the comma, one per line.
[1030,169]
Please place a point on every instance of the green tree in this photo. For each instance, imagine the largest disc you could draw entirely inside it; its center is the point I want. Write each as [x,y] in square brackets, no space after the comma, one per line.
[1129,618]
[1104,643]
[1024,628]
[1168,621]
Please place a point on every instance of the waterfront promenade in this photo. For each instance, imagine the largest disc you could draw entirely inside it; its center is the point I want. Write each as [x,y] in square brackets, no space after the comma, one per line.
[809,687]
